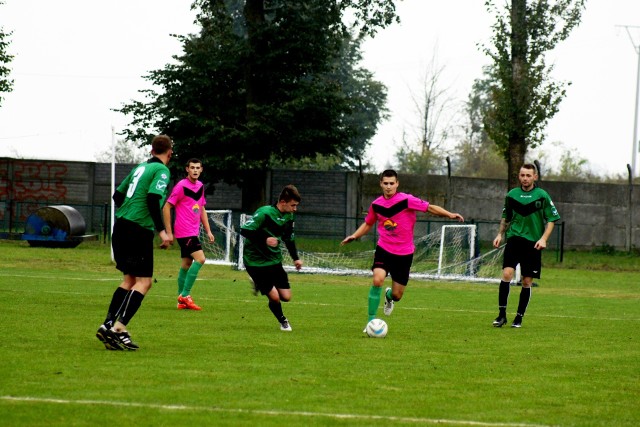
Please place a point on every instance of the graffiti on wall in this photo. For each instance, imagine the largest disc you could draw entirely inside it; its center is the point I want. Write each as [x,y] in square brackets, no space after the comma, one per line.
[40,182]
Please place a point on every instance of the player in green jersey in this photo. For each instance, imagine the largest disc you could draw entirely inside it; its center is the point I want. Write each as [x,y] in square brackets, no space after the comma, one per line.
[139,198]
[262,258]
[528,219]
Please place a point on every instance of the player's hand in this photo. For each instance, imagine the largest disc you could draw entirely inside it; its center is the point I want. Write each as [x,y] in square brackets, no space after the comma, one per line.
[457,216]
[167,239]
[211,237]
[497,241]
[298,264]
[540,244]
[348,239]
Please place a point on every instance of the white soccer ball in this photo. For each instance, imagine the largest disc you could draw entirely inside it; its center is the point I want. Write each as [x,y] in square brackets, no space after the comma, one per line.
[377,328]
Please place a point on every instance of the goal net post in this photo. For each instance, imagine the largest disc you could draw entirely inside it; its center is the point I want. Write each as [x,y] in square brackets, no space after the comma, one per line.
[221,250]
[448,253]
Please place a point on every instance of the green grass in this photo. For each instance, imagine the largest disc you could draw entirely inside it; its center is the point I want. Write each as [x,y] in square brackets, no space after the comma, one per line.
[575,362]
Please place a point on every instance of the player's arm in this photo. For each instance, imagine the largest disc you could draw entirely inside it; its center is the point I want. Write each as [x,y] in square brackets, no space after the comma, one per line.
[204,219]
[118,198]
[153,203]
[290,243]
[166,214]
[361,231]
[503,227]
[440,211]
[542,242]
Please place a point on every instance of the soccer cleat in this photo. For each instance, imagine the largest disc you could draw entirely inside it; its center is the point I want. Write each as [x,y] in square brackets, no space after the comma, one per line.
[188,302]
[181,305]
[517,322]
[500,320]
[124,339]
[388,303]
[107,337]
[285,326]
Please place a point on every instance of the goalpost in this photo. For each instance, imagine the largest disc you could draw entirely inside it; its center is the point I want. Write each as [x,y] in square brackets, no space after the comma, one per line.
[449,253]
[221,250]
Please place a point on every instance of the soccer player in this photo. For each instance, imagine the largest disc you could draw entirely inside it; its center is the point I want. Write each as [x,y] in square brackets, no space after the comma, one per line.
[395,214]
[188,200]
[139,199]
[262,257]
[528,217]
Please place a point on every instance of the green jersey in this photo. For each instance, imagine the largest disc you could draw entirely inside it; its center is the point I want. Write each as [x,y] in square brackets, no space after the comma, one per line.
[148,177]
[266,222]
[528,212]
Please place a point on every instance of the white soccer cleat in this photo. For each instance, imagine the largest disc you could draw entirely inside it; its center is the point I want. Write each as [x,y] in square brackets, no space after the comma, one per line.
[388,303]
[285,326]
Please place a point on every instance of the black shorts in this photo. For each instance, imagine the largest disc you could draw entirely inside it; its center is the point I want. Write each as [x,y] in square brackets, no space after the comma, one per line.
[189,245]
[132,248]
[522,251]
[266,278]
[398,266]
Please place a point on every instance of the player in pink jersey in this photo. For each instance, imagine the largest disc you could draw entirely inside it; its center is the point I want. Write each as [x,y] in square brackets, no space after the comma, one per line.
[395,214]
[187,198]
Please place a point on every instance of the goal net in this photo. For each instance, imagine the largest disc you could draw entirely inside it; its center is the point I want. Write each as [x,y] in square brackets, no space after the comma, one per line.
[449,253]
[221,250]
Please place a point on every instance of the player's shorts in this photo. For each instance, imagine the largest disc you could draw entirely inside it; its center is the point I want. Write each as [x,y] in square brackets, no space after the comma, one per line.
[522,251]
[132,248]
[189,245]
[398,266]
[268,277]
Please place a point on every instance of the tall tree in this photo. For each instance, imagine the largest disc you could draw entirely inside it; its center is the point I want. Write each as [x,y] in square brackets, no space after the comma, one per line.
[263,81]
[524,96]
[476,154]
[422,151]
[6,84]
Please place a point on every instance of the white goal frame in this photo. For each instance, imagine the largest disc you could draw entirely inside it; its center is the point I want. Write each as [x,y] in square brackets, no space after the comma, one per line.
[220,221]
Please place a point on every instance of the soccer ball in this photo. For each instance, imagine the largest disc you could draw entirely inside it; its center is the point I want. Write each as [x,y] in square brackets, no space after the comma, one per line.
[377,328]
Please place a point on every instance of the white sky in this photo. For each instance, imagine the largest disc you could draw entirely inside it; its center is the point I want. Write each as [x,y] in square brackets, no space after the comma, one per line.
[77,59]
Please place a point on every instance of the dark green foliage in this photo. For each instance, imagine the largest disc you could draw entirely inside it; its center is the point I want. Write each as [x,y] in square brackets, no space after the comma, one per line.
[523,95]
[266,83]
[6,84]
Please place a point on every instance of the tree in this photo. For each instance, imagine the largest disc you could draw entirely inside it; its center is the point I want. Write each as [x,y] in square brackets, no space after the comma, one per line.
[263,82]
[476,154]
[125,152]
[6,84]
[423,152]
[524,97]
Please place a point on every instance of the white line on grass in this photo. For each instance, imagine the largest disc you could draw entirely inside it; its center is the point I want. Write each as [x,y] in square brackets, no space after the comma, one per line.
[365,417]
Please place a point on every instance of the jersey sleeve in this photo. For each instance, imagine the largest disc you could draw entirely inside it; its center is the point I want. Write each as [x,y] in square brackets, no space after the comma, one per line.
[417,204]
[551,213]
[371,217]
[160,182]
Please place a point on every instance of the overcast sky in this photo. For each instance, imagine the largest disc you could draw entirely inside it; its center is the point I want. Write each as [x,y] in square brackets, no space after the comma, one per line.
[77,59]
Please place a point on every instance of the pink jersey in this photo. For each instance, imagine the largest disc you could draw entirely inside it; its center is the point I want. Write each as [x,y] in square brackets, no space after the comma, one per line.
[396,218]
[188,201]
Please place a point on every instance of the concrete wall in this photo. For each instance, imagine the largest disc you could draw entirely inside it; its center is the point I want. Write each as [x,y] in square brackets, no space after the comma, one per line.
[333,203]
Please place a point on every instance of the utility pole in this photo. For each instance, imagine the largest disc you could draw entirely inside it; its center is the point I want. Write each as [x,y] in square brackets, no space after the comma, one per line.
[636,47]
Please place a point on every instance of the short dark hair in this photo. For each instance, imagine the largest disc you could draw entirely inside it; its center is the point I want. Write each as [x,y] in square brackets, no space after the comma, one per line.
[161,144]
[388,174]
[193,160]
[530,166]
[288,193]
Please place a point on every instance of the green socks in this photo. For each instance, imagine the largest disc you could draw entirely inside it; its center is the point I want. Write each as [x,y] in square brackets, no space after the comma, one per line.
[190,278]
[374,301]
[182,275]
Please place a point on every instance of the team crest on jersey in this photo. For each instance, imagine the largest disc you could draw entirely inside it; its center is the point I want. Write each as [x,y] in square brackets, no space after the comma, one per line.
[195,208]
[389,225]
[161,185]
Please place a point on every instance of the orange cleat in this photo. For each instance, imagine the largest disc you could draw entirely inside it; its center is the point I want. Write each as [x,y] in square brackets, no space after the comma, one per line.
[188,303]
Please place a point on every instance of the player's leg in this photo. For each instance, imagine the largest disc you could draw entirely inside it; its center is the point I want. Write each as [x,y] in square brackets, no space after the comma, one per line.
[400,266]
[509,263]
[379,275]
[192,260]
[530,269]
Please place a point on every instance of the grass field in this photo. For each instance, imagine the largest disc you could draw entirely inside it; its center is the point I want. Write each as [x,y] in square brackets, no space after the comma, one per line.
[575,362]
